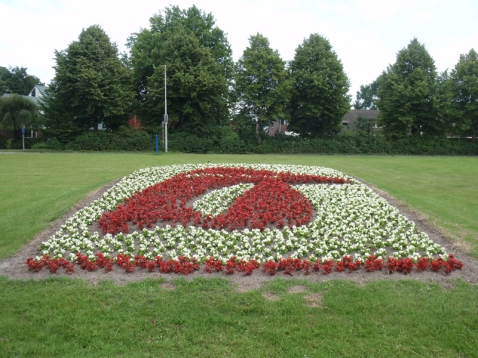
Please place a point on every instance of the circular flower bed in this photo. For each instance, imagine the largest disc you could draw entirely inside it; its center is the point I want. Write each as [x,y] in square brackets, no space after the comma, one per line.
[235,217]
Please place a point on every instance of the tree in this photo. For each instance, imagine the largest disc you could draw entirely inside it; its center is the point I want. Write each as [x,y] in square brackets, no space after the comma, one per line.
[17,80]
[364,125]
[367,96]
[195,85]
[91,86]
[465,93]
[262,84]
[17,111]
[407,95]
[4,80]
[319,92]
[199,69]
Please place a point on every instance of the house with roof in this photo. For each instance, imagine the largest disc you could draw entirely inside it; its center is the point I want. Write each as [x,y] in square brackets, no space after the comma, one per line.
[349,121]
[36,93]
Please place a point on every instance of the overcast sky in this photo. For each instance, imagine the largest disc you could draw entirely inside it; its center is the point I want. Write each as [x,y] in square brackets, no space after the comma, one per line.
[365,34]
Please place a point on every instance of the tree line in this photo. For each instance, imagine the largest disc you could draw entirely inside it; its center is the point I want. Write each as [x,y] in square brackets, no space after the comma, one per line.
[96,86]
[207,91]
[414,99]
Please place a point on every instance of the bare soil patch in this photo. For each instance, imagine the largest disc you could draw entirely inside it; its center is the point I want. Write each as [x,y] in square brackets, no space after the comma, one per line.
[313,300]
[297,289]
[168,286]
[271,296]
[14,267]
[248,285]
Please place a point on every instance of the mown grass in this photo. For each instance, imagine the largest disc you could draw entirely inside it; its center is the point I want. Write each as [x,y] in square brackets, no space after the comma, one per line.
[207,317]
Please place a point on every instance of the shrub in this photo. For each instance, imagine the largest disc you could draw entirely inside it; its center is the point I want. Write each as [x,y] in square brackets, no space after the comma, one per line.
[223,140]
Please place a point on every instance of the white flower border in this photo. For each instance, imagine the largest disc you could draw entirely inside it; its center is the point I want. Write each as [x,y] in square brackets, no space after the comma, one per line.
[351,219]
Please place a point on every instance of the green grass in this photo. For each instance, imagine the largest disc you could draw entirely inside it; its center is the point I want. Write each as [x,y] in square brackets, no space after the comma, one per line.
[206,317]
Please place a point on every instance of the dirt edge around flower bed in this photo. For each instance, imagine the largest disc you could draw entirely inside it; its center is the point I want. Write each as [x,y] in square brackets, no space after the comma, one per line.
[14,267]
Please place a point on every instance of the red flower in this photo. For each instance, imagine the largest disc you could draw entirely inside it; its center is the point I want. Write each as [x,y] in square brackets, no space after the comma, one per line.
[271,202]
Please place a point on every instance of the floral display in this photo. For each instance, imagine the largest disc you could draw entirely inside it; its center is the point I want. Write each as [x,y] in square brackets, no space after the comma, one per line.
[237,217]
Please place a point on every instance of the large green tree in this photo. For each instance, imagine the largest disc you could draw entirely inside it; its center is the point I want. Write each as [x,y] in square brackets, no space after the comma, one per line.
[199,69]
[367,96]
[465,93]
[407,95]
[262,84]
[91,86]
[320,86]
[18,111]
[17,80]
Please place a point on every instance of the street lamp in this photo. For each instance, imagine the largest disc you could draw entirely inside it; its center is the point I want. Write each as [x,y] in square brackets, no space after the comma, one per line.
[165,120]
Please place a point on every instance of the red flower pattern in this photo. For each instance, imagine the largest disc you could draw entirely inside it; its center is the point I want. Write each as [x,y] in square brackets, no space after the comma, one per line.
[272,201]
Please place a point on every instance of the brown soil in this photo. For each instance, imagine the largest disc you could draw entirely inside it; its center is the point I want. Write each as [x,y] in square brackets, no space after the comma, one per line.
[14,267]
[313,300]
[297,289]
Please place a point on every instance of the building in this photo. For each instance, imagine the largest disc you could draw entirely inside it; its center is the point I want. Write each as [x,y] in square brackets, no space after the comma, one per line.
[279,126]
[36,93]
[349,121]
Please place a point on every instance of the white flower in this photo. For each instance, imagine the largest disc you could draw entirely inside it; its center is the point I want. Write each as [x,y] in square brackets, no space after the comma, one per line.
[349,219]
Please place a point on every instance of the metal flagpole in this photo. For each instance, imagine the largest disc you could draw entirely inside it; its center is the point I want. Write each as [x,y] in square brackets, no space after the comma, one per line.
[165,114]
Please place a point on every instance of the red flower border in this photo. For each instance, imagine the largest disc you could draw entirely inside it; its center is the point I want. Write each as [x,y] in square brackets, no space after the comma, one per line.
[289,265]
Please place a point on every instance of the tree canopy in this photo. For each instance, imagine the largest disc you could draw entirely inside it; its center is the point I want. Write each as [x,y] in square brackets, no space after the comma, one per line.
[407,95]
[366,98]
[199,69]
[465,93]
[319,92]
[17,111]
[17,80]
[262,84]
[91,85]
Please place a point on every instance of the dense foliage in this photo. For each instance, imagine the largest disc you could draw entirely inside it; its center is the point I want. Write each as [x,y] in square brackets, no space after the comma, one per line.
[262,85]
[407,94]
[17,111]
[465,93]
[319,92]
[17,80]
[366,98]
[199,67]
[227,142]
[91,87]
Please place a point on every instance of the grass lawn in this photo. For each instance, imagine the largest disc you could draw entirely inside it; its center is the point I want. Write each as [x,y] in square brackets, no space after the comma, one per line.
[207,317]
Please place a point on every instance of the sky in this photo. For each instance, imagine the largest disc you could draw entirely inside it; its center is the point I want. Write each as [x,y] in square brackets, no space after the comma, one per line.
[365,34]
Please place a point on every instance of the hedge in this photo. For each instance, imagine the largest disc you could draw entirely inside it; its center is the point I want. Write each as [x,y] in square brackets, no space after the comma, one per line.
[227,144]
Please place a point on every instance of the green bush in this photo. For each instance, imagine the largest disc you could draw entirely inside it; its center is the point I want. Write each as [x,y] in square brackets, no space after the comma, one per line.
[18,144]
[107,141]
[3,142]
[54,144]
[223,140]
[360,144]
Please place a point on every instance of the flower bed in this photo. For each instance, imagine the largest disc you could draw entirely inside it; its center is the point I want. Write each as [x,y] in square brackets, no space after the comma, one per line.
[236,217]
